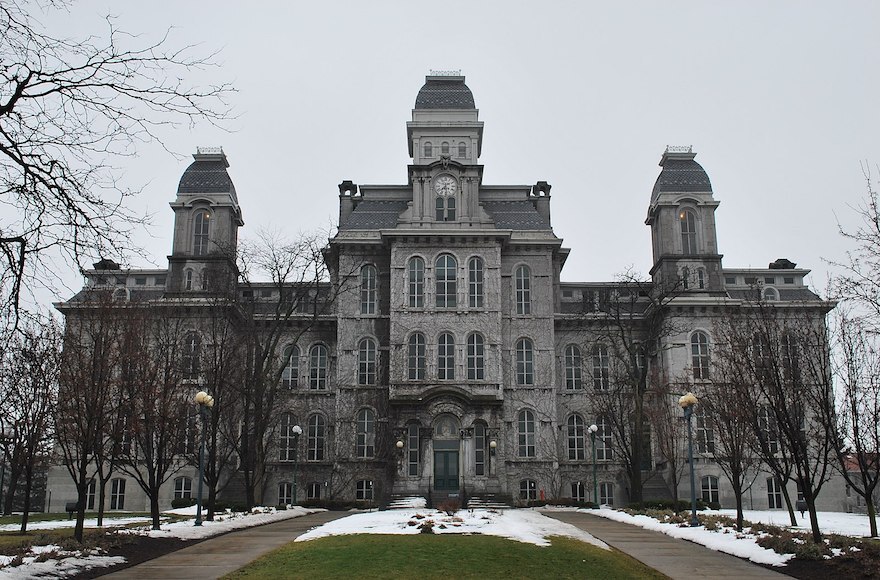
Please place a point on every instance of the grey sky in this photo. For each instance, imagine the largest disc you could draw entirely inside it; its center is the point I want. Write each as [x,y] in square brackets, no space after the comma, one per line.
[778,99]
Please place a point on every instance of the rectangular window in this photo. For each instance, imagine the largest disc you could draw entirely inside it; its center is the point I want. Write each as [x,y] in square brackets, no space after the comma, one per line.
[160,280]
[140,281]
[705,434]
[523,290]
[730,279]
[769,280]
[285,493]
[90,495]
[479,450]
[364,490]
[416,283]
[606,494]
[475,283]
[117,494]
[788,280]
[412,437]
[578,491]
[774,493]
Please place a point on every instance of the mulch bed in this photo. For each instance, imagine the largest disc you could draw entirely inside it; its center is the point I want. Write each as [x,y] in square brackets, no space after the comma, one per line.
[141,549]
[839,568]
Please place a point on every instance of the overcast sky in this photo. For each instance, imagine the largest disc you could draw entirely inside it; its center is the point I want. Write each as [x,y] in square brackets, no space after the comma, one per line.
[778,99]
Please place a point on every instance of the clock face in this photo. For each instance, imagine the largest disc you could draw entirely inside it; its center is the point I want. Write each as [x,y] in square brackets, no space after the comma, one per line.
[445,185]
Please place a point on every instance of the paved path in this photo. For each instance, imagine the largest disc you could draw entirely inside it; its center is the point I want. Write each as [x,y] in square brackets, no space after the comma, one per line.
[678,559]
[217,556]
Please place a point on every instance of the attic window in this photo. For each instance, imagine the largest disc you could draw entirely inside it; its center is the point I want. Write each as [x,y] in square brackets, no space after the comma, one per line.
[788,280]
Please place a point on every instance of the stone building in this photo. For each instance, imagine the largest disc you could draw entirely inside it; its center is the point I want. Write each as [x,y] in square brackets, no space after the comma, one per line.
[460,362]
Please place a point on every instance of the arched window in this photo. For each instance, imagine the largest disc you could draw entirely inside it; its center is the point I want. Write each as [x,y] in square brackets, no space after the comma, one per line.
[709,488]
[444,148]
[525,433]
[416,359]
[688,222]
[120,295]
[368,290]
[523,290]
[528,490]
[288,433]
[480,446]
[601,368]
[363,490]
[290,372]
[685,278]
[573,369]
[429,150]
[701,278]
[412,445]
[770,294]
[446,356]
[416,275]
[444,208]
[578,491]
[462,150]
[201,230]
[367,362]
[318,367]
[606,493]
[475,283]
[188,279]
[315,440]
[366,433]
[191,357]
[475,357]
[700,354]
[604,450]
[525,363]
[576,441]
[445,272]
[206,279]
[183,487]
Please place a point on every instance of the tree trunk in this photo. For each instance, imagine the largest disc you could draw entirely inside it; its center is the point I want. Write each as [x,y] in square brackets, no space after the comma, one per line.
[212,497]
[102,488]
[28,485]
[814,519]
[872,514]
[737,491]
[788,504]
[154,508]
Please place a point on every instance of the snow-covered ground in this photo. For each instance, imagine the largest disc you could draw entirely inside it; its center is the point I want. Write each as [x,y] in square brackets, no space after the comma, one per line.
[59,563]
[829,522]
[521,525]
[109,522]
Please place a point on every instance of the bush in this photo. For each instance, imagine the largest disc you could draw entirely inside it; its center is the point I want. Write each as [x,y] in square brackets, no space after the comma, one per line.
[281,507]
[426,527]
[182,502]
[666,504]
[450,506]
[237,507]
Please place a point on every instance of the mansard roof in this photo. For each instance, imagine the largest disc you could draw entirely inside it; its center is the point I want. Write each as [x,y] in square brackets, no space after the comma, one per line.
[374,215]
[515,215]
[681,174]
[445,92]
[207,174]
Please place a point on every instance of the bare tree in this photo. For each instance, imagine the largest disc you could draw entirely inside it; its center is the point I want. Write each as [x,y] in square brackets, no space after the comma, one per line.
[69,108]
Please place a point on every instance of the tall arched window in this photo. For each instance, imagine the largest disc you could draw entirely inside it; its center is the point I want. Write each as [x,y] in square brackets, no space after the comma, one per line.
[366,433]
[685,278]
[700,354]
[416,282]
[523,290]
[190,360]
[315,441]
[318,367]
[688,222]
[601,368]
[287,438]
[525,363]
[367,362]
[462,150]
[475,357]
[446,356]
[368,289]
[576,441]
[445,272]
[290,372]
[573,369]
[603,440]
[525,433]
[701,278]
[444,148]
[475,283]
[428,149]
[201,231]
[416,359]
[188,279]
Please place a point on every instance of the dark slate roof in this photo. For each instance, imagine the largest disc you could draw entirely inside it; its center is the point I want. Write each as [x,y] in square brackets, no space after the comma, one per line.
[515,215]
[445,93]
[374,214]
[682,175]
[785,294]
[206,176]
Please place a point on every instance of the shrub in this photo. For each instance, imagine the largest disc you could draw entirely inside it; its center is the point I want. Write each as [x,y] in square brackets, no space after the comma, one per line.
[281,507]
[182,502]
[426,527]
[237,507]
[666,504]
[450,506]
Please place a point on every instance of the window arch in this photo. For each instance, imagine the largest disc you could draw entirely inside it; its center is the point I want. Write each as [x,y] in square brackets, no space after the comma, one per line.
[601,368]
[367,361]
[476,362]
[688,224]
[366,433]
[523,277]
[428,149]
[287,436]
[201,231]
[770,294]
[120,295]
[462,150]
[416,282]
[315,439]
[700,354]
[445,272]
[190,360]
[416,358]
[290,372]
[526,433]
[475,282]
[446,356]
[318,367]
[573,368]
[709,489]
[368,289]
[444,148]
[525,362]
[576,440]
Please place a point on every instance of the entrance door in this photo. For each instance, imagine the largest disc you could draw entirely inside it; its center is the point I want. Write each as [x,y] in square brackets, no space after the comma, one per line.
[446,470]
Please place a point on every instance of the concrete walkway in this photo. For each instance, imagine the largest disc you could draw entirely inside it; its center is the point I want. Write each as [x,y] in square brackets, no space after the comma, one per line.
[678,559]
[221,555]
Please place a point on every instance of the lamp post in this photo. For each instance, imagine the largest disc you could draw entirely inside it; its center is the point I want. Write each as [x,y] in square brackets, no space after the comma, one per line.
[296,431]
[687,403]
[592,429]
[205,402]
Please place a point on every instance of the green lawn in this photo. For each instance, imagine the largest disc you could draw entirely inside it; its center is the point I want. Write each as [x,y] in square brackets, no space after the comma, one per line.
[441,556]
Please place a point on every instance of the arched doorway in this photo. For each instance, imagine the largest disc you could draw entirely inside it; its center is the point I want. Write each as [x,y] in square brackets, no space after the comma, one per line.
[447,442]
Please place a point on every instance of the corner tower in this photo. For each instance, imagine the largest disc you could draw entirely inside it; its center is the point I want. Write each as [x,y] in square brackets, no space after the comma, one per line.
[682,219]
[206,221]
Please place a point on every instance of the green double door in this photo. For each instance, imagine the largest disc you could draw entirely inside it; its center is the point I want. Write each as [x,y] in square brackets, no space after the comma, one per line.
[446,468]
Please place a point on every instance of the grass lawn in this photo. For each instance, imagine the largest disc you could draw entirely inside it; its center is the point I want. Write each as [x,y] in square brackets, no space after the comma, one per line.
[441,556]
